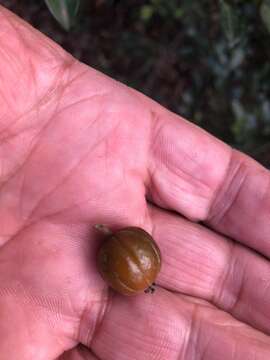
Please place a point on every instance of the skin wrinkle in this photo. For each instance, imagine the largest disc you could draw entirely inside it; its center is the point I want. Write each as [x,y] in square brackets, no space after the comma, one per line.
[64,210]
[33,78]
[26,226]
[21,196]
[204,352]
[266,288]
[61,341]
[177,186]
[19,26]
[67,176]
[157,129]
[15,236]
[1,169]
[102,314]
[266,193]
[83,352]
[84,100]
[52,305]
[80,334]
[29,332]
[36,143]
[38,136]
[239,298]
[234,351]
[192,337]
[19,167]
[25,298]
[40,103]
[147,337]
[14,26]
[157,194]
[229,271]
[191,274]
[218,210]
[32,150]
[240,286]
[154,193]
[12,62]
[147,179]
[14,135]
[254,355]
[108,153]
[187,158]
[3,31]
[55,88]
[180,173]
[157,151]
[3,96]
[222,279]
[8,128]
[61,81]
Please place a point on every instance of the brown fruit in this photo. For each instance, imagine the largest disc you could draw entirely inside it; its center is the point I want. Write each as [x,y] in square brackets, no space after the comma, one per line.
[129,260]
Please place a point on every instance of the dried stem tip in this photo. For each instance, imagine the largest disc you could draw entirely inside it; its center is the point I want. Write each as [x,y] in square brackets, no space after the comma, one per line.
[103,229]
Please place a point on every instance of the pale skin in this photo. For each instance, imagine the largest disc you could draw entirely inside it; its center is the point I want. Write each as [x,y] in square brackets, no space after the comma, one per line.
[77,149]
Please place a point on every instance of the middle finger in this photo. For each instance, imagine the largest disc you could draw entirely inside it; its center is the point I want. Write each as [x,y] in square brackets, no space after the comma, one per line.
[202,263]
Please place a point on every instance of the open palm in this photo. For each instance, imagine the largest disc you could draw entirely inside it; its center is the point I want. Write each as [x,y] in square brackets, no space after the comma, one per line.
[76,149]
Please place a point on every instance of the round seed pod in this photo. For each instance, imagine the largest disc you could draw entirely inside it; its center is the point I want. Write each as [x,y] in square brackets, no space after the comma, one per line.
[129,260]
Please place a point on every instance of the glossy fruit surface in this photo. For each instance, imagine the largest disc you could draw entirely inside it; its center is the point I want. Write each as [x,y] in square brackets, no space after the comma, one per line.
[129,260]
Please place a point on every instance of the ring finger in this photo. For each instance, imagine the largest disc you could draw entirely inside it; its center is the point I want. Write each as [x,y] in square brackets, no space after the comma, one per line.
[204,264]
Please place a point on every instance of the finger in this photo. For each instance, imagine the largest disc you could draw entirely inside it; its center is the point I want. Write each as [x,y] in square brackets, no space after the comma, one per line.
[79,353]
[201,263]
[167,326]
[200,177]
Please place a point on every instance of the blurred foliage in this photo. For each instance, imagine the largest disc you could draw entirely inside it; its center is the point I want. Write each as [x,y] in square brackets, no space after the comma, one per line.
[265,13]
[64,11]
[207,60]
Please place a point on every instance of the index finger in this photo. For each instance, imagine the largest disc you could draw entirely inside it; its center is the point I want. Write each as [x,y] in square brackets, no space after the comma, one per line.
[197,175]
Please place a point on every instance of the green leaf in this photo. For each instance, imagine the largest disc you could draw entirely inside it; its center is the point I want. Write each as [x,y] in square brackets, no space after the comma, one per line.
[229,22]
[64,11]
[265,13]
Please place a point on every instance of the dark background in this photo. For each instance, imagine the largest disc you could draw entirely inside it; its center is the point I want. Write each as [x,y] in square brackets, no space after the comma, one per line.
[178,53]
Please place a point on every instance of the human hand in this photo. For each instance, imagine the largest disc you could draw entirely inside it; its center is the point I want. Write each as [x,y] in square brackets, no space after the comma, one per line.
[77,148]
